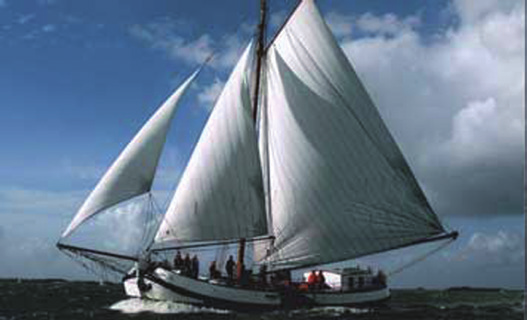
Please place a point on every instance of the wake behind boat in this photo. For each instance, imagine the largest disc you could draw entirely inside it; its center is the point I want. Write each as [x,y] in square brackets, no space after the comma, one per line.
[294,163]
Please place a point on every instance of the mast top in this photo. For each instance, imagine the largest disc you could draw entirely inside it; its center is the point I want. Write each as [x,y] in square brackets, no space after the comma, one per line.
[260,47]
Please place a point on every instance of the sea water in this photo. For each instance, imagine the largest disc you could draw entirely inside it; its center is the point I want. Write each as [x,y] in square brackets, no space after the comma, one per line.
[59,299]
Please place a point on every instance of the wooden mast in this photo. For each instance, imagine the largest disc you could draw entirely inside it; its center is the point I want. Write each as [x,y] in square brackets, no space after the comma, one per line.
[260,47]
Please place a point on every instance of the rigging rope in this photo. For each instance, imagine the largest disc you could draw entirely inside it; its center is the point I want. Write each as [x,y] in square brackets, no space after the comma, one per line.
[419,258]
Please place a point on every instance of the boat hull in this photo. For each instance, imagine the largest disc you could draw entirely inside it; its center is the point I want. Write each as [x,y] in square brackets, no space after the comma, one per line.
[166,285]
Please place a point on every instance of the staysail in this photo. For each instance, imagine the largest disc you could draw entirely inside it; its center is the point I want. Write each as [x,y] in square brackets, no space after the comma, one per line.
[339,186]
[220,195]
[133,172]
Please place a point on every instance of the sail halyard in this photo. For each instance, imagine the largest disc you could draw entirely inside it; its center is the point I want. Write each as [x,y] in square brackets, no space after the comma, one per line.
[340,187]
[132,173]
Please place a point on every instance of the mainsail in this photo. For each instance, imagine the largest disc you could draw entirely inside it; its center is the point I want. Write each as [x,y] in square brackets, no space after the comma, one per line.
[133,172]
[339,186]
[220,195]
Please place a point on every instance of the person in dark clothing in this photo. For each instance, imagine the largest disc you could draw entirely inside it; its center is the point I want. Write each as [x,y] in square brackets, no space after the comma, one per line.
[213,273]
[320,280]
[187,265]
[195,267]
[178,261]
[229,267]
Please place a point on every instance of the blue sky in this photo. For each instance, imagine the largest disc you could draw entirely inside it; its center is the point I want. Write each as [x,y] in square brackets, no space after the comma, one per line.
[78,79]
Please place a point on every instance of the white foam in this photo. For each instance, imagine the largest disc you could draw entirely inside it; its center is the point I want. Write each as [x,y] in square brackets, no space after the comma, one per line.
[329,311]
[135,305]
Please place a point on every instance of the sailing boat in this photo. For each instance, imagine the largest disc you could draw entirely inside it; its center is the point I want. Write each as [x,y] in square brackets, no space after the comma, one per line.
[294,159]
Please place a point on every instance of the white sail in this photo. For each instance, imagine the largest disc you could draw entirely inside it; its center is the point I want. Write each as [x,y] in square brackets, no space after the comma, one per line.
[220,195]
[339,186]
[133,172]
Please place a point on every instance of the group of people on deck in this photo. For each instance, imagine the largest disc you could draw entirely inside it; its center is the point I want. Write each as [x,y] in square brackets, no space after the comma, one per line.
[189,267]
[233,275]
[316,280]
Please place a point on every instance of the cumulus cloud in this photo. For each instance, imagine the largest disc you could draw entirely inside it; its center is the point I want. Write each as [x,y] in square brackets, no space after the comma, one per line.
[210,93]
[37,218]
[340,24]
[163,35]
[277,18]
[35,257]
[464,93]
[27,242]
[473,11]
[23,19]
[388,24]
[494,249]
[49,28]
[34,201]
[479,258]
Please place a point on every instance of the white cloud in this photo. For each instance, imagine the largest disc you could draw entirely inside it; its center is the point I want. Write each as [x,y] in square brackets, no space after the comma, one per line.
[229,53]
[455,103]
[481,259]
[471,11]
[49,28]
[210,93]
[23,19]
[33,201]
[388,24]
[277,18]
[83,172]
[340,24]
[482,130]
[494,249]
[163,35]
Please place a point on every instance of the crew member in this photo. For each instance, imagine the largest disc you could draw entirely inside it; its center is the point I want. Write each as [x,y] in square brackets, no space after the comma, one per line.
[312,280]
[213,273]
[320,280]
[178,261]
[187,265]
[195,267]
[229,267]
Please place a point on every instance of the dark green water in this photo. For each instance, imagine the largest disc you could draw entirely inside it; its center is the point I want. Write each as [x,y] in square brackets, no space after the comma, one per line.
[56,299]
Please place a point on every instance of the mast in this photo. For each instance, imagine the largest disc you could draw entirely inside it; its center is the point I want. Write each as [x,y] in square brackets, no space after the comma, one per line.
[260,46]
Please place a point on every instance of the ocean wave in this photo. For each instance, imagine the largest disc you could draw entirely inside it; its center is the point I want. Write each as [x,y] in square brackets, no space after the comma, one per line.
[328,311]
[135,305]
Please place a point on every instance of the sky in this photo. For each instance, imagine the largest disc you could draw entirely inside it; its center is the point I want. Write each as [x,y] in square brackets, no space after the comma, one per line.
[78,79]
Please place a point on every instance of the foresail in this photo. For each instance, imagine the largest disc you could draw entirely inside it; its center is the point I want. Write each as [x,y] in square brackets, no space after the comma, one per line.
[339,186]
[220,195]
[133,172]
